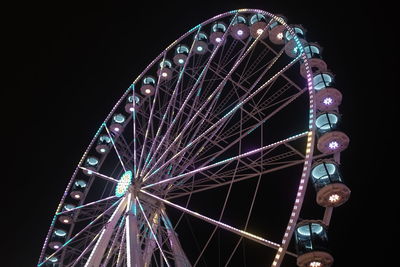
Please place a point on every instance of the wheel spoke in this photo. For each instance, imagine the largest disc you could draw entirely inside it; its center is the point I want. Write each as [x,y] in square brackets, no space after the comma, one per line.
[223,119]
[227,227]
[213,94]
[115,148]
[86,205]
[80,232]
[194,87]
[108,178]
[229,160]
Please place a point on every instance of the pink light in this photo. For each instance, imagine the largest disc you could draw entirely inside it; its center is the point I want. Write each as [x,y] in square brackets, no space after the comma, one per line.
[164,74]
[65,221]
[239,32]
[147,91]
[218,39]
[77,196]
[116,129]
[260,31]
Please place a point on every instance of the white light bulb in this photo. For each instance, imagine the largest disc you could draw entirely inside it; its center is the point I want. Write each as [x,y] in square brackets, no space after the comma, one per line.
[328,101]
[333,145]
[334,198]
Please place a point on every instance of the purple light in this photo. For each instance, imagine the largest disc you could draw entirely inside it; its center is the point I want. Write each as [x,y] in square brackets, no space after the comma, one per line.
[333,145]
[239,32]
[328,101]
[218,39]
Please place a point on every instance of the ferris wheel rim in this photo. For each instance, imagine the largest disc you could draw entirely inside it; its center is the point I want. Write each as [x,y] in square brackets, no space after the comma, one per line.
[311,132]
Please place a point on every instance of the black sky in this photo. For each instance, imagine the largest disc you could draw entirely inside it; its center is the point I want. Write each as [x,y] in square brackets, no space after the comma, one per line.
[66,64]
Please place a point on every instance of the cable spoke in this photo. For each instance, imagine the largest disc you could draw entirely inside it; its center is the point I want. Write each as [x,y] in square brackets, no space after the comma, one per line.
[194,87]
[227,161]
[213,94]
[115,148]
[100,175]
[224,118]
[80,232]
[86,205]
[245,234]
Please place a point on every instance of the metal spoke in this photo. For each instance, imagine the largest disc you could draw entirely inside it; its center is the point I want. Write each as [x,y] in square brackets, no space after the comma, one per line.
[227,227]
[194,87]
[108,178]
[79,233]
[224,118]
[213,94]
[227,161]
[86,205]
[115,148]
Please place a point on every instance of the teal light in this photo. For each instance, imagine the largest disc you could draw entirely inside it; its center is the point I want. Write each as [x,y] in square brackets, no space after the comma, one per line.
[80,183]
[123,184]
[69,207]
[305,230]
[182,49]
[322,80]
[323,170]
[60,233]
[105,139]
[92,161]
[256,18]
[53,259]
[326,121]
[149,80]
[136,99]
[119,118]
[219,26]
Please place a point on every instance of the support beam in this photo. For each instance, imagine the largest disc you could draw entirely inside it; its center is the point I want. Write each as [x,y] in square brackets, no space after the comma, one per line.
[101,245]
[133,251]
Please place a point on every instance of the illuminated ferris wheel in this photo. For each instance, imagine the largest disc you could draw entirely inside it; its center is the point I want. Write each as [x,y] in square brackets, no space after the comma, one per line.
[239,108]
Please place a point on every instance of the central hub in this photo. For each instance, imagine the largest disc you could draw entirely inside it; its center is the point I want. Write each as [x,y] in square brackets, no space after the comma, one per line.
[124,183]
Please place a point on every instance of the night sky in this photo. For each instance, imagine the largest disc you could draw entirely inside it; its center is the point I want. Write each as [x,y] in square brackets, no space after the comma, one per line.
[68,63]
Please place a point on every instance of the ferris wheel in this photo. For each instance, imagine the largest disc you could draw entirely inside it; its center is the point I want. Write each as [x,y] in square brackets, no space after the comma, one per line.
[239,108]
